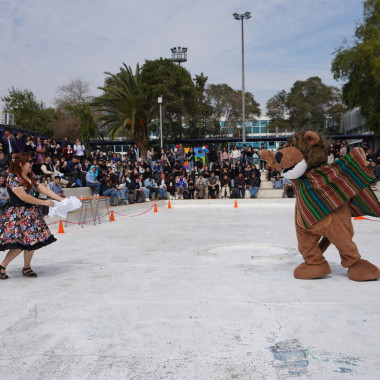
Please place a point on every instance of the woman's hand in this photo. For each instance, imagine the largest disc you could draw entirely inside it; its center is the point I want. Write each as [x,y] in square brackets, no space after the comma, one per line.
[49,203]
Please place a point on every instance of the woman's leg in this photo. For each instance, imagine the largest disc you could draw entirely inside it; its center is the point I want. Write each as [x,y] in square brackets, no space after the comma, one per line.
[28,255]
[12,254]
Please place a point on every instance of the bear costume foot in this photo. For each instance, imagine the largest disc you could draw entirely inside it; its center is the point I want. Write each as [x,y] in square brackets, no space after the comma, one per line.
[363,270]
[308,272]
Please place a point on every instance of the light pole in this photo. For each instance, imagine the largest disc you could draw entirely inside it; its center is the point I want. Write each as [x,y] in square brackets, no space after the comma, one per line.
[159,101]
[241,17]
[179,54]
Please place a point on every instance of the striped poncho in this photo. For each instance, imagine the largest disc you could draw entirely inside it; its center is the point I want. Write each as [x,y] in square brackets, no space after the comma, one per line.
[322,190]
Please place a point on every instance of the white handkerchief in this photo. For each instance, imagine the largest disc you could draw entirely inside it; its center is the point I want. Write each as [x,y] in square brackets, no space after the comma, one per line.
[62,208]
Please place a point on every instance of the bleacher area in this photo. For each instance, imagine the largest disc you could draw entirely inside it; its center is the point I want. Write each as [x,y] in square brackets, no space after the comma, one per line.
[266,191]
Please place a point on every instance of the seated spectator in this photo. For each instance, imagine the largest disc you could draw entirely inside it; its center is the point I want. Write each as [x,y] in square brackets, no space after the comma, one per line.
[4,161]
[206,173]
[216,169]
[191,187]
[92,180]
[288,188]
[201,186]
[56,186]
[109,189]
[239,184]
[278,183]
[225,185]
[181,185]
[4,196]
[170,185]
[253,185]
[162,187]
[198,167]
[177,169]
[157,170]
[151,186]
[213,186]
[167,169]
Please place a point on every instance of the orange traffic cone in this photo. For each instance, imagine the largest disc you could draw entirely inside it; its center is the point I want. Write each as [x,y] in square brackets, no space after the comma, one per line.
[360,218]
[112,218]
[155,208]
[169,205]
[236,206]
[60,228]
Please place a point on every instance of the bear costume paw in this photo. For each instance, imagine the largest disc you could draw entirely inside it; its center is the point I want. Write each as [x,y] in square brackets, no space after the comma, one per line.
[363,270]
[308,272]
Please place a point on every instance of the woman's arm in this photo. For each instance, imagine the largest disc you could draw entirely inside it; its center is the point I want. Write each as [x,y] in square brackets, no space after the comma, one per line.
[21,193]
[51,194]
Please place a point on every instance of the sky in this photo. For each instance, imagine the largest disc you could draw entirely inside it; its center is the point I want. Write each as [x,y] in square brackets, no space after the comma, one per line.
[45,44]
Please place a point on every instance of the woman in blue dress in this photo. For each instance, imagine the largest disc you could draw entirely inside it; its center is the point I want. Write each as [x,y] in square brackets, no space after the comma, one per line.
[23,227]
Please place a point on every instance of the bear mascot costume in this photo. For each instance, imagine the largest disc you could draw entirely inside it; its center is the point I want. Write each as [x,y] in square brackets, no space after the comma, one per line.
[327,197]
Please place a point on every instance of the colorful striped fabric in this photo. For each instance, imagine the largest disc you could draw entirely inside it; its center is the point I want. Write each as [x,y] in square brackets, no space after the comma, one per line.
[322,190]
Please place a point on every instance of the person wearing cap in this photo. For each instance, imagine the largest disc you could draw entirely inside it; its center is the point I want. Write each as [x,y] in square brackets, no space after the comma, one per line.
[56,187]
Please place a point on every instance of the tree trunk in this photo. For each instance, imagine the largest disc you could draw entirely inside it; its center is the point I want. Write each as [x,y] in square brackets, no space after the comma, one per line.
[140,135]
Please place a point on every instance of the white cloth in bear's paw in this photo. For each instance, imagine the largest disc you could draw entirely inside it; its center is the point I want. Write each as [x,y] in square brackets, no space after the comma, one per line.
[62,208]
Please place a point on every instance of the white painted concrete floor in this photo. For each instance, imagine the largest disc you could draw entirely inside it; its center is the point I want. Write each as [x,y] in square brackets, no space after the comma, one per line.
[199,291]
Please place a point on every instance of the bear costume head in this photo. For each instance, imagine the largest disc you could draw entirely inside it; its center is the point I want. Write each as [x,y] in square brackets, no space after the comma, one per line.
[306,150]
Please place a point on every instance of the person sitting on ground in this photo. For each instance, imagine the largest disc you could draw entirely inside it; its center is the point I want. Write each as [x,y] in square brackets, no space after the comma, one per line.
[225,185]
[181,185]
[253,185]
[56,187]
[92,180]
[151,186]
[201,186]
[213,186]
[278,182]
[239,184]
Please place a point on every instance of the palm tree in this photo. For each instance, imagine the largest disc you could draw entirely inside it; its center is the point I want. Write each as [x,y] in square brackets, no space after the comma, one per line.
[124,105]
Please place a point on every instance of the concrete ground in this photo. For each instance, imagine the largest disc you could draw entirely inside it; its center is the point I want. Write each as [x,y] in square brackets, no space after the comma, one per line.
[199,291]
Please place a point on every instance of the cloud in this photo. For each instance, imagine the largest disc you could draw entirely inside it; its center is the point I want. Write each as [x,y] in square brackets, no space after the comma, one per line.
[46,43]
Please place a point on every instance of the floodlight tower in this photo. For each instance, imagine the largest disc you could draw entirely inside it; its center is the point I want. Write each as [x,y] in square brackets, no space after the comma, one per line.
[242,17]
[179,54]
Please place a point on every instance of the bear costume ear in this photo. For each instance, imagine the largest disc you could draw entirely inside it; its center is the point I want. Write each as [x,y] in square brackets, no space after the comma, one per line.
[267,155]
[312,138]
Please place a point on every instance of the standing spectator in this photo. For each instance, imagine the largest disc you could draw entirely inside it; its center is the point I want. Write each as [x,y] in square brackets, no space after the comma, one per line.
[213,186]
[20,143]
[40,155]
[342,150]
[201,186]
[181,154]
[79,149]
[253,185]
[249,156]
[9,146]
[235,155]
[190,157]
[149,156]
[136,149]
[224,156]
[212,156]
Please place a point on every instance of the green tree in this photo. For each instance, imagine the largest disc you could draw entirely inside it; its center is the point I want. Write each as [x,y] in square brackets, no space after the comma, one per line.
[180,97]
[28,111]
[226,103]
[124,105]
[359,66]
[310,104]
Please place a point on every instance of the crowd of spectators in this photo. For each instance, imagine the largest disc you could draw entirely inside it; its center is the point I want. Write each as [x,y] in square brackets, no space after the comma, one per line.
[129,178]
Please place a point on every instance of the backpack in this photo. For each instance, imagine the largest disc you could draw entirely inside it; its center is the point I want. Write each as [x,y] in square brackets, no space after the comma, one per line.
[234,193]
[130,199]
